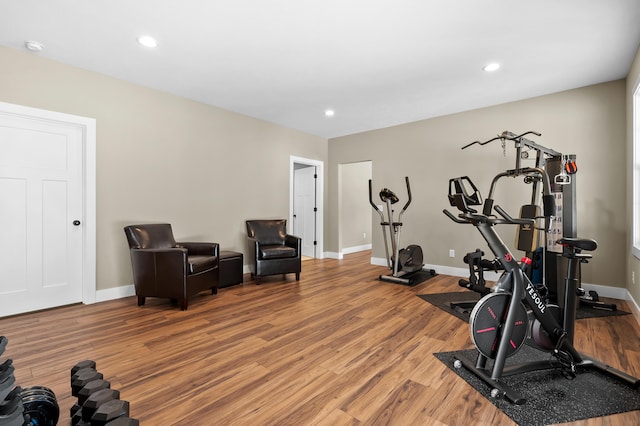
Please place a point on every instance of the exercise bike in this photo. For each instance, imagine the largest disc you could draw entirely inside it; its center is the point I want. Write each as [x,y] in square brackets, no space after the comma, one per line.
[501,321]
[406,262]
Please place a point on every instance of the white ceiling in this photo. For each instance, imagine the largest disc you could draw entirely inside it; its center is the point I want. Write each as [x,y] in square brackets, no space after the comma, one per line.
[377,63]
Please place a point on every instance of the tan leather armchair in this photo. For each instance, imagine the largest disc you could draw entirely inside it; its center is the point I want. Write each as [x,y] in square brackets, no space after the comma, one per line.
[271,250]
[164,268]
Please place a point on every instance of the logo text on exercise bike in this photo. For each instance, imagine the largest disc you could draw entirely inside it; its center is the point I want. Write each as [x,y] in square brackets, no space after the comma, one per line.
[536,297]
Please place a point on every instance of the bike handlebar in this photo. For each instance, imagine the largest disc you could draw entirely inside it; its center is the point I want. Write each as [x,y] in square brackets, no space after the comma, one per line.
[453,218]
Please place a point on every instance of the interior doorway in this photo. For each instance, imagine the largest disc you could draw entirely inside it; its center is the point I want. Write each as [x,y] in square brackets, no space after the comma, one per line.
[355,223]
[306,210]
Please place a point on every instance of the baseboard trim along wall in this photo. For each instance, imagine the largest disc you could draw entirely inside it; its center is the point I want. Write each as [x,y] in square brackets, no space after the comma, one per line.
[602,290]
[115,293]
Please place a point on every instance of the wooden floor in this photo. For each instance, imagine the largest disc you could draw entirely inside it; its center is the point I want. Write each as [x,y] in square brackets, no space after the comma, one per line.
[336,348]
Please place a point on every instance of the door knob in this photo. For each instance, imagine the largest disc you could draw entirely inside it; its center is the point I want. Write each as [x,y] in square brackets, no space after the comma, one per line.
[76,222]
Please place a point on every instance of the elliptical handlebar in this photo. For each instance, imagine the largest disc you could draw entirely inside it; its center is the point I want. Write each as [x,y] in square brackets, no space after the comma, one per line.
[373,204]
[406,179]
[406,205]
[404,208]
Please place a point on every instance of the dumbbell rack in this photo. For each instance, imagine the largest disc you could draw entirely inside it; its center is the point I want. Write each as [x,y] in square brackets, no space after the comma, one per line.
[97,404]
[11,409]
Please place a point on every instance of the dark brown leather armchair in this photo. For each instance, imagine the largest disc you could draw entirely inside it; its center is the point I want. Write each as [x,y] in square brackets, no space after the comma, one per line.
[271,250]
[164,268]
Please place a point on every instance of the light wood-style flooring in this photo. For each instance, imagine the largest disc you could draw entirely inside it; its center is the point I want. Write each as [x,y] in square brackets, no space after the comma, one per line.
[338,347]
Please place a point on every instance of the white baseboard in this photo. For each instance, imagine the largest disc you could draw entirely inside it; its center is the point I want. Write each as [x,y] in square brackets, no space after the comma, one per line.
[115,293]
[333,255]
[348,250]
[356,249]
[635,309]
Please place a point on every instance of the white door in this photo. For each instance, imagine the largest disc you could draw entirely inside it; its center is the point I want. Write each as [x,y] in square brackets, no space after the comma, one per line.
[304,214]
[41,172]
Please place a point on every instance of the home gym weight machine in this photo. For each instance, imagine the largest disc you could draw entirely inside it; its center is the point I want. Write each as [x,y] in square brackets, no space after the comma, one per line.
[501,321]
[527,236]
[564,224]
[404,263]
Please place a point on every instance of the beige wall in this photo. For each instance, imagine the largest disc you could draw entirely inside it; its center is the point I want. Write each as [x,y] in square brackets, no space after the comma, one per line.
[355,210]
[164,158]
[588,122]
[633,79]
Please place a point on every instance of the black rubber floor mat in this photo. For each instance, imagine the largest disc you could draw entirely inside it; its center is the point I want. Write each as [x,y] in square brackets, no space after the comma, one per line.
[550,397]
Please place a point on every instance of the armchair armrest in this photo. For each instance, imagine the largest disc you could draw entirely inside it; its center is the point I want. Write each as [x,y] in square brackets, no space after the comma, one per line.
[293,241]
[253,249]
[202,249]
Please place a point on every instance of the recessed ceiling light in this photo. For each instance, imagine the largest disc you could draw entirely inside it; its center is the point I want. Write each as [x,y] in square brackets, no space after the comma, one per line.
[34,46]
[329,113]
[147,41]
[491,67]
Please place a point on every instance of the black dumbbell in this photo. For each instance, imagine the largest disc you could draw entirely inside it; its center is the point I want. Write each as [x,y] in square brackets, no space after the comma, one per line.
[3,344]
[10,402]
[110,410]
[87,363]
[6,383]
[85,392]
[124,421]
[95,400]
[82,377]
[40,405]
[15,418]
[90,388]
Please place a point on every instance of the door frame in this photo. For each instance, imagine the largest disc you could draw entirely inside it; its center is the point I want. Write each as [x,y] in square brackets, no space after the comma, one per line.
[88,128]
[293,160]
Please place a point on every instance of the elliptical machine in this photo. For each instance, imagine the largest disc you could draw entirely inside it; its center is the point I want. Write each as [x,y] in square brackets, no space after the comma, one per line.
[406,262]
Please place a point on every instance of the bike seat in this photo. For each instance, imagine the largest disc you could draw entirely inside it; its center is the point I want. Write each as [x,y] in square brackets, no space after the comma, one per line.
[579,243]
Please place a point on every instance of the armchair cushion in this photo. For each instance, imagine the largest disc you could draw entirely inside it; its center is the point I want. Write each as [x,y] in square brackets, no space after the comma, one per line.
[276,252]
